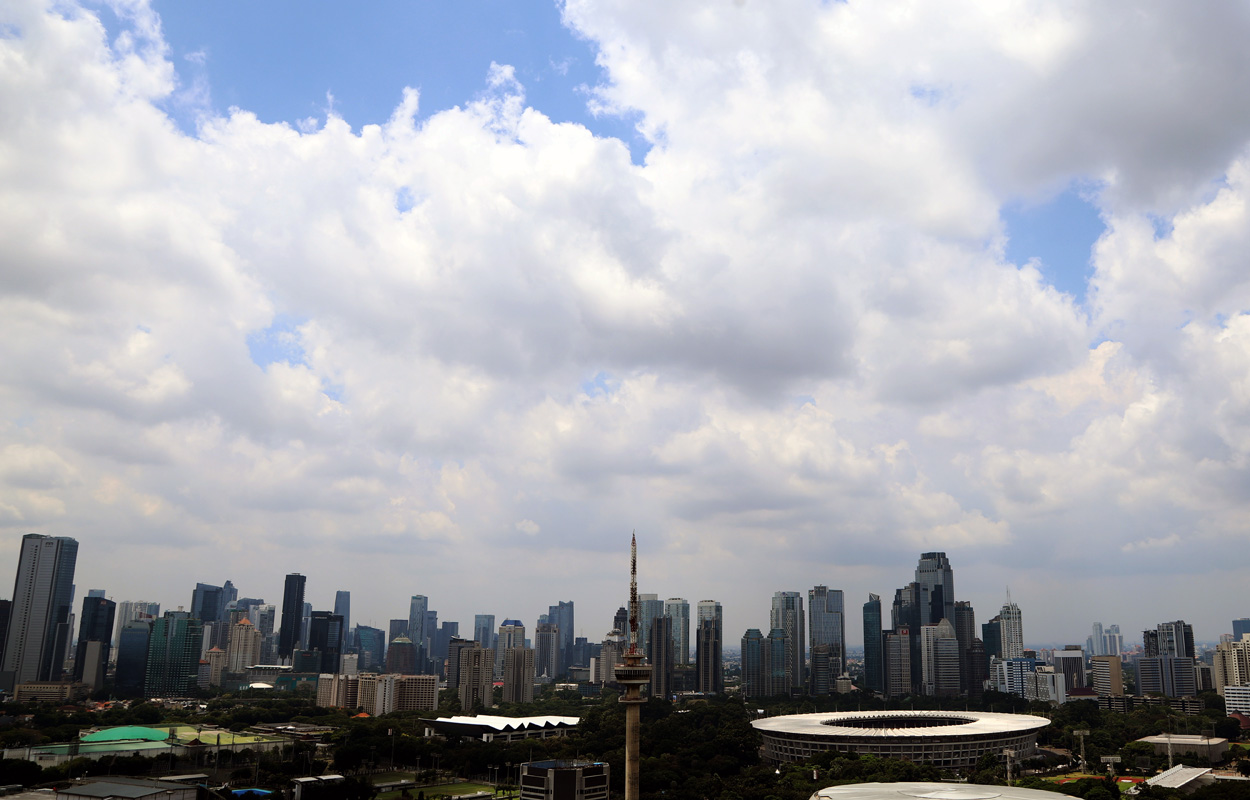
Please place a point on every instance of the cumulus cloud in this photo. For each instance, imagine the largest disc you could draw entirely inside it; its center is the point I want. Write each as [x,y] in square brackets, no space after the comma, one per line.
[787,348]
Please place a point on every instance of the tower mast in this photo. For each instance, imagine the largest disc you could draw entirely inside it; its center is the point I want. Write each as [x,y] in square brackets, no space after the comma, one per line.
[632,675]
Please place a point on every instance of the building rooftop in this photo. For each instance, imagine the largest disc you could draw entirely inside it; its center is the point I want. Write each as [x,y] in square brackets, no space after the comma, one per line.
[910,724]
[931,791]
[1180,776]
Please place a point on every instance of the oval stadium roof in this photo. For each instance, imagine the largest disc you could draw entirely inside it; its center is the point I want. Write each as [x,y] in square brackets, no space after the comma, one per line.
[127,733]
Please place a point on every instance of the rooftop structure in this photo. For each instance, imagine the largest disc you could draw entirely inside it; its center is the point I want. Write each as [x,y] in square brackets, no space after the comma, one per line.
[490,728]
[946,739]
[944,791]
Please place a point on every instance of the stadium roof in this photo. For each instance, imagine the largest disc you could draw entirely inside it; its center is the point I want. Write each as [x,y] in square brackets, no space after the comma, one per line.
[930,791]
[892,724]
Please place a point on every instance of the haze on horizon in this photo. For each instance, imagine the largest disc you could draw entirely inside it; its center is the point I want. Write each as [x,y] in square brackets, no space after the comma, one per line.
[796,290]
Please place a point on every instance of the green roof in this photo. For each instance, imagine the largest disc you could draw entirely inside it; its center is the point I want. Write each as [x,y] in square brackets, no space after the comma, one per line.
[127,732]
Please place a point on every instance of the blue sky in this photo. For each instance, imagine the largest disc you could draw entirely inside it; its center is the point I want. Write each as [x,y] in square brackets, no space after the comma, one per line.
[281,59]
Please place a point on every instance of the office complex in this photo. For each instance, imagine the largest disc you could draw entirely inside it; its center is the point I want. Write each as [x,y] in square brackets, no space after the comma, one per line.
[678,610]
[173,655]
[39,621]
[936,582]
[484,630]
[561,616]
[418,608]
[292,615]
[787,615]
[95,639]
[827,624]
[343,609]
[873,672]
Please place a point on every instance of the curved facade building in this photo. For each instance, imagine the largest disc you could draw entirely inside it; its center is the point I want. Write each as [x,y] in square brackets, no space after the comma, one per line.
[944,791]
[946,739]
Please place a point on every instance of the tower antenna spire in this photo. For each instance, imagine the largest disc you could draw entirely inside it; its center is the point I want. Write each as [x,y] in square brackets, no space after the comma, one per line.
[633,592]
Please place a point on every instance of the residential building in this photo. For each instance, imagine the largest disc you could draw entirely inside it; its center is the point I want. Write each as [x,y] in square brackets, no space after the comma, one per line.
[897,663]
[245,647]
[39,621]
[1170,676]
[939,651]
[710,673]
[477,684]
[518,675]
[1012,628]
[1230,665]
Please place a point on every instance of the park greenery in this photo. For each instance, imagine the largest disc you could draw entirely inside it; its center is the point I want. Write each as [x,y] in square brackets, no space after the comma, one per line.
[703,748]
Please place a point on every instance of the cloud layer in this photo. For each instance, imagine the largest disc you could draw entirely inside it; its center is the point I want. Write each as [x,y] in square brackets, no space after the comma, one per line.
[464,357]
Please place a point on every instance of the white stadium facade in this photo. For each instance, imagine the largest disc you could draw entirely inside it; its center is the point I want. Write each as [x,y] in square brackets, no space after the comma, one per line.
[946,739]
[929,791]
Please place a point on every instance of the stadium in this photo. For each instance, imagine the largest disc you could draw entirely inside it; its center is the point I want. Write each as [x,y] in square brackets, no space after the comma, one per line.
[947,739]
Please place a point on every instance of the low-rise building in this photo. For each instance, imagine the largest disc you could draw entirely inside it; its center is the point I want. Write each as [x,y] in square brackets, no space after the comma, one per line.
[564,780]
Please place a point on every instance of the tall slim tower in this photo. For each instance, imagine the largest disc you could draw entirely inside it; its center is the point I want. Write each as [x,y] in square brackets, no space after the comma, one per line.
[39,625]
[874,675]
[709,636]
[937,588]
[343,608]
[632,675]
[678,610]
[292,614]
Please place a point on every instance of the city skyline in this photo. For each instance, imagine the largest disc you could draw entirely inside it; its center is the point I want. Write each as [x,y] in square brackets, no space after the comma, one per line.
[799,291]
[758,617]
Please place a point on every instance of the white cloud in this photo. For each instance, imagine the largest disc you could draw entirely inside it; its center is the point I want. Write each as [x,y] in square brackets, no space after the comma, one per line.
[506,326]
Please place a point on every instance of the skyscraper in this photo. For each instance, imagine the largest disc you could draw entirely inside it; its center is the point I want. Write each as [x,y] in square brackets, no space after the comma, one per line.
[511,634]
[484,630]
[678,610]
[661,656]
[787,615]
[1241,629]
[649,608]
[1176,639]
[39,623]
[753,663]
[827,624]
[873,656]
[708,643]
[477,687]
[545,657]
[206,602]
[95,637]
[343,608]
[325,635]
[371,644]
[561,615]
[173,655]
[937,588]
[417,608]
[292,615]
[132,657]
[1011,626]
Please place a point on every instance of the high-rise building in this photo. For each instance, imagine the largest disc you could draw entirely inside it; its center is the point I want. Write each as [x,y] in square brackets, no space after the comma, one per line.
[96,628]
[965,623]
[401,656]
[561,615]
[511,634]
[897,649]
[325,635]
[1070,661]
[1096,642]
[710,678]
[1230,665]
[822,678]
[371,645]
[620,620]
[244,650]
[453,660]
[173,655]
[518,673]
[1108,676]
[827,624]
[292,615]
[1114,641]
[874,680]
[132,658]
[417,608]
[649,607]
[787,615]
[129,610]
[939,650]
[1176,639]
[1012,628]
[343,608]
[1170,676]
[753,663]
[778,662]
[1241,629]
[678,610]
[484,630]
[660,655]
[206,602]
[477,678]
[39,623]
[937,588]
[546,654]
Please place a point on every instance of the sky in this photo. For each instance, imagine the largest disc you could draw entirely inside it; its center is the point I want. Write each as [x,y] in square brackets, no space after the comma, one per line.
[447,299]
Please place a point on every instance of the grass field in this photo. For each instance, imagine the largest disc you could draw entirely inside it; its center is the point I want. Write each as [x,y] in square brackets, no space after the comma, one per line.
[445,790]
[216,736]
